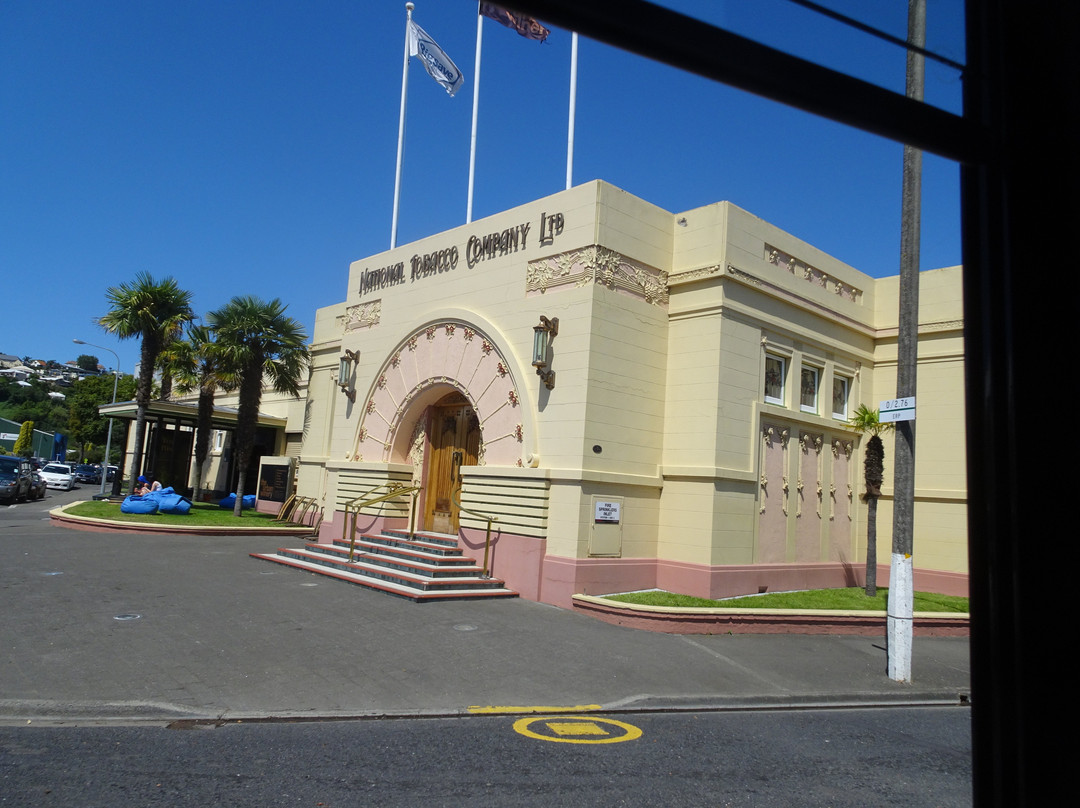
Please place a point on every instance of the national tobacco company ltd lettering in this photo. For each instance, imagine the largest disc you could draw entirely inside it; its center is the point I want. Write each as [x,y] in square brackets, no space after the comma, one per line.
[491,245]
[372,280]
[477,248]
[434,262]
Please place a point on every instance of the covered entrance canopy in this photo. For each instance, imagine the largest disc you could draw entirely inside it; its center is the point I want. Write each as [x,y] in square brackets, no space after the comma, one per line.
[174,425]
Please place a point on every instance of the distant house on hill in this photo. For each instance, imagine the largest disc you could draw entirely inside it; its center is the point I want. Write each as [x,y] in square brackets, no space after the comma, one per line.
[9,361]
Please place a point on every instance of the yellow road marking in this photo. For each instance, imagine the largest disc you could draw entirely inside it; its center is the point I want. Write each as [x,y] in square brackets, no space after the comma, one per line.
[572,728]
[495,710]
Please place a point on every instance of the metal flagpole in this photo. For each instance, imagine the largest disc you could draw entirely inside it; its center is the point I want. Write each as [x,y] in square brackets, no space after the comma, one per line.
[401,127]
[475,104]
[573,106]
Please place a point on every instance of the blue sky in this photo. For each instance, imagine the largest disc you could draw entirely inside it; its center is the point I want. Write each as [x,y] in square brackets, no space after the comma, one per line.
[248,147]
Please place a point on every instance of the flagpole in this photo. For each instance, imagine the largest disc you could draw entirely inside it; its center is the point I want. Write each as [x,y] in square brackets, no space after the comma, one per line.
[401,127]
[475,104]
[573,106]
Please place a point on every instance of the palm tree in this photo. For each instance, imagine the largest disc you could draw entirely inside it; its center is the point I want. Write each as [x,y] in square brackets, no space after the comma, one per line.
[155,311]
[196,364]
[257,339]
[866,421]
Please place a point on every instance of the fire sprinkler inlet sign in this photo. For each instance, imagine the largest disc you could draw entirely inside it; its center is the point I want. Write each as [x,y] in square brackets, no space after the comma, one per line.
[607,513]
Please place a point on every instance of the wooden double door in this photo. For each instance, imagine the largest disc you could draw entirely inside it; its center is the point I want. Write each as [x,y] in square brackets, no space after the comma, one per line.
[454,441]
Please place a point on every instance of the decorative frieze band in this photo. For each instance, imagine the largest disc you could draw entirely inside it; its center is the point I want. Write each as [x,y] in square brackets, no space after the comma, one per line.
[812,275]
[599,265]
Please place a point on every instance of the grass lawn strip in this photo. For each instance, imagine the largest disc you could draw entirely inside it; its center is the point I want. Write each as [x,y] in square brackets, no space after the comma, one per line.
[202,514]
[850,599]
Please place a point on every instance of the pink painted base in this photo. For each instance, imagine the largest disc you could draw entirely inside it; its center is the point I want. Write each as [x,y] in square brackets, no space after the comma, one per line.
[521,562]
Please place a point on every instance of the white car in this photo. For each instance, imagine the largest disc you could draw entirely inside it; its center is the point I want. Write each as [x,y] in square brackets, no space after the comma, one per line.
[58,475]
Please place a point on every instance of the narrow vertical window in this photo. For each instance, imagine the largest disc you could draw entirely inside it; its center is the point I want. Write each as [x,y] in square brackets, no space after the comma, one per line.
[839,398]
[808,390]
[774,379]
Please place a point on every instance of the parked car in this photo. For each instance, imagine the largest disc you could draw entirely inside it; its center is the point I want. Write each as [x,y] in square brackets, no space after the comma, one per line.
[86,473]
[58,475]
[38,486]
[14,478]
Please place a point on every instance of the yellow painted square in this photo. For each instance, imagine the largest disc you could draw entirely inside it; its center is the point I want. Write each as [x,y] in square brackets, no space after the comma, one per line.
[575,728]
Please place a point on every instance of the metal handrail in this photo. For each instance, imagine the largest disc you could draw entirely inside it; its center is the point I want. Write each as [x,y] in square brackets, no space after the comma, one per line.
[456,497]
[354,505]
[308,505]
[286,508]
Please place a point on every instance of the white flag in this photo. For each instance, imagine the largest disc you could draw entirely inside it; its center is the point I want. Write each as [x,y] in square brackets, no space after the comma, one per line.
[438,65]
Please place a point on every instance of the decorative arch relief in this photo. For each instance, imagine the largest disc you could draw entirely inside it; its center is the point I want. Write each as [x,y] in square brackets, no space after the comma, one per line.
[424,367]
[598,265]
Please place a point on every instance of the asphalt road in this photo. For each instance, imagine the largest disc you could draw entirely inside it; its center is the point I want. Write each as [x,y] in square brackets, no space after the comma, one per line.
[766,759]
[110,638]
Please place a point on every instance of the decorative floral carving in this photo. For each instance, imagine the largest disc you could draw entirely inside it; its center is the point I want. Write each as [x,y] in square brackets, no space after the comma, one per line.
[469,334]
[519,433]
[362,315]
[430,331]
[411,343]
[381,383]
[512,397]
[486,347]
[449,328]
[370,406]
[363,434]
[501,369]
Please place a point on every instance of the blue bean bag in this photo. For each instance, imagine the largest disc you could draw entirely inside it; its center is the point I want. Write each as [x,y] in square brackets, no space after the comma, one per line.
[137,504]
[171,502]
[229,502]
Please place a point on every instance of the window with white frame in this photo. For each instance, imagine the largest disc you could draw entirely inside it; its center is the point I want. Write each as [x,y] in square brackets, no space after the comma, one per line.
[219,440]
[808,388]
[775,370]
[840,387]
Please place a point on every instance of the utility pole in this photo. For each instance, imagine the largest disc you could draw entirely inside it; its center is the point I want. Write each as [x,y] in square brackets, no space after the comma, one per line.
[901,584]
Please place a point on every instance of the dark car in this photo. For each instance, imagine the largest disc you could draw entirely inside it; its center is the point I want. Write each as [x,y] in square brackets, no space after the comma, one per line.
[85,473]
[38,487]
[14,478]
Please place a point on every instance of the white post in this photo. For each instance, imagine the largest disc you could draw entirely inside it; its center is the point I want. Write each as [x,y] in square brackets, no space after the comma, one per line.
[573,106]
[475,105]
[401,127]
[108,440]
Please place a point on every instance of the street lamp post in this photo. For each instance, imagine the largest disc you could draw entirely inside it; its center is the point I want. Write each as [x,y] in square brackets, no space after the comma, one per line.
[108,440]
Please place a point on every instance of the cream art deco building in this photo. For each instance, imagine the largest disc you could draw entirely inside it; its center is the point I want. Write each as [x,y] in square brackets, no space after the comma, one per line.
[688,429]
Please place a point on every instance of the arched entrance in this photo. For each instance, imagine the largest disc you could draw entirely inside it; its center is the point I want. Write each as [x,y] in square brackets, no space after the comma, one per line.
[454,434]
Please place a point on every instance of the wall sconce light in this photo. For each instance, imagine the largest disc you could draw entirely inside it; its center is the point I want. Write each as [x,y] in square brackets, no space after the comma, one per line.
[345,366]
[543,334]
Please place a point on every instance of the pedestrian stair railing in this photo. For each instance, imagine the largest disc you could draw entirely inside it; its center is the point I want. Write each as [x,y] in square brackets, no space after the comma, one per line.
[373,497]
[456,495]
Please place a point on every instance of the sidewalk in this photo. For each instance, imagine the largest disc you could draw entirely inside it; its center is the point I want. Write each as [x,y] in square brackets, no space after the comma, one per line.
[221,635]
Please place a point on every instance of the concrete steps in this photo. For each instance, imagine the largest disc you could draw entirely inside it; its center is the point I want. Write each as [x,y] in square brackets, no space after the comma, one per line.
[430,566]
